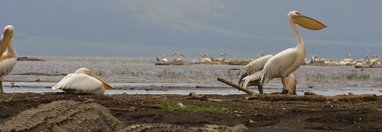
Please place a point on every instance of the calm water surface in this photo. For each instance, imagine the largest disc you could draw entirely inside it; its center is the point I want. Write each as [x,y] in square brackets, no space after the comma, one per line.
[140,76]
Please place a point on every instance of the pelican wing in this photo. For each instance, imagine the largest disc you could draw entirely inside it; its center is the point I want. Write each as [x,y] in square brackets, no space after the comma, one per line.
[252,80]
[6,66]
[81,83]
[279,64]
[254,66]
[257,65]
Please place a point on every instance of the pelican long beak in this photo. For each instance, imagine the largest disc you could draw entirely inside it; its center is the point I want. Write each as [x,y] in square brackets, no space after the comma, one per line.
[308,22]
[105,84]
[6,38]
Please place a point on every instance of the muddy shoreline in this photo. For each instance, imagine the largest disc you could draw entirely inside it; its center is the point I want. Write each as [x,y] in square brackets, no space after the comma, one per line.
[255,114]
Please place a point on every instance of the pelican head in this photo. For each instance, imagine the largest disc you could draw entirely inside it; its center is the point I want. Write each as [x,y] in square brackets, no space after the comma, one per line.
[305,21]
[87,71]
[84,70]
[6,38]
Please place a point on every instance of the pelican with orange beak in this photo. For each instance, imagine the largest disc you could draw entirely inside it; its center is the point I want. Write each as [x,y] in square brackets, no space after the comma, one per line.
[8,57]
[287,61]
[82,81]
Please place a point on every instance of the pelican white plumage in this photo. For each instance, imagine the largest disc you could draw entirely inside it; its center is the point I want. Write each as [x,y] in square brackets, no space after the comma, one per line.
[253,67]
[8,57]
[205,59]
[222,57]
[252,75]
[287,61]
[163,60]
[177,56]
[83,81]
[374,60]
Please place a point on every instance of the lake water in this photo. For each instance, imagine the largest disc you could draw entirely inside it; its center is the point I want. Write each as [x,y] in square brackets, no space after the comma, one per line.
[140,76]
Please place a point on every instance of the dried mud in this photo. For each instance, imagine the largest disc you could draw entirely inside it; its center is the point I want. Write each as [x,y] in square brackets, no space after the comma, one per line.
[255,114]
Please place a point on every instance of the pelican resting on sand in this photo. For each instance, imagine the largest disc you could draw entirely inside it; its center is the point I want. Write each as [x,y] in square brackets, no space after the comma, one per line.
[82,81]
[205,59]
[287,61]
[8,57]
[252,75]
[222,57]
[163,60]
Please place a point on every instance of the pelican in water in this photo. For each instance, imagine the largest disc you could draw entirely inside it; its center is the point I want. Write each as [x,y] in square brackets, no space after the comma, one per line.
[287,61]
[8,57]
[82,81]
[252,75]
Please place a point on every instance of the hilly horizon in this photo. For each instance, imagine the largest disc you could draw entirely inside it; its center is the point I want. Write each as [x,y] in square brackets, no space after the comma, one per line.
[151,28]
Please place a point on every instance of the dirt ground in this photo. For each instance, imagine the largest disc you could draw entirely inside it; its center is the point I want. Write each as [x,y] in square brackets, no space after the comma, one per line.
[255,114]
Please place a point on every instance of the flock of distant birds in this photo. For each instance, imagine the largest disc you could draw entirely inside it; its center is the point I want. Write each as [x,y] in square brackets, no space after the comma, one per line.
[373,61]
[256,73]
[177,59]
[366,62]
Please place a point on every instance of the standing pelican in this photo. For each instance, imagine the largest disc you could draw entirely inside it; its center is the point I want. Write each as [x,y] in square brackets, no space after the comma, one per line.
[252,75]
[83,81]
[288,60]
[8,57]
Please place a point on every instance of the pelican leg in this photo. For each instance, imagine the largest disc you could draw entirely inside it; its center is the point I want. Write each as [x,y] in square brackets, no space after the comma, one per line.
[260,88]
[1,87]
[283,79]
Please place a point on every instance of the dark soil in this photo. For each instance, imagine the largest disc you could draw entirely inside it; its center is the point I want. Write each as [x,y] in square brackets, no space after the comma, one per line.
[295,115]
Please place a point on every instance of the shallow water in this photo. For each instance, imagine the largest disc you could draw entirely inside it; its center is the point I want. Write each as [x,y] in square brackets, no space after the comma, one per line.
[182,89]
[140,76]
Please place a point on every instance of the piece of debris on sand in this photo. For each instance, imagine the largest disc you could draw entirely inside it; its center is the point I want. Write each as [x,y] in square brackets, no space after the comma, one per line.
[28,59]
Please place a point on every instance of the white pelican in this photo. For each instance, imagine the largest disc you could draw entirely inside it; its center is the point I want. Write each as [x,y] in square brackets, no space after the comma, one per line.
[288,60]
[205,59]
[374,60]
[8,57]
[177,57]
[252,75]
[222,57]
[82,81]
[163,60]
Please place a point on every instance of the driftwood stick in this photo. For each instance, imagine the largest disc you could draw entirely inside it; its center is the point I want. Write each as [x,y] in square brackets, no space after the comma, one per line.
[318,98]
[369,66]
[250,92]
[193,95]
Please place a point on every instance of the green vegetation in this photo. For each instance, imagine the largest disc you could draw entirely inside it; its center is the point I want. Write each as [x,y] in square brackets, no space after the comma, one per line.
[189,108]
[338,76]
[99,73]
[169,74]
[357,76]
[42,74]
[164,74]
